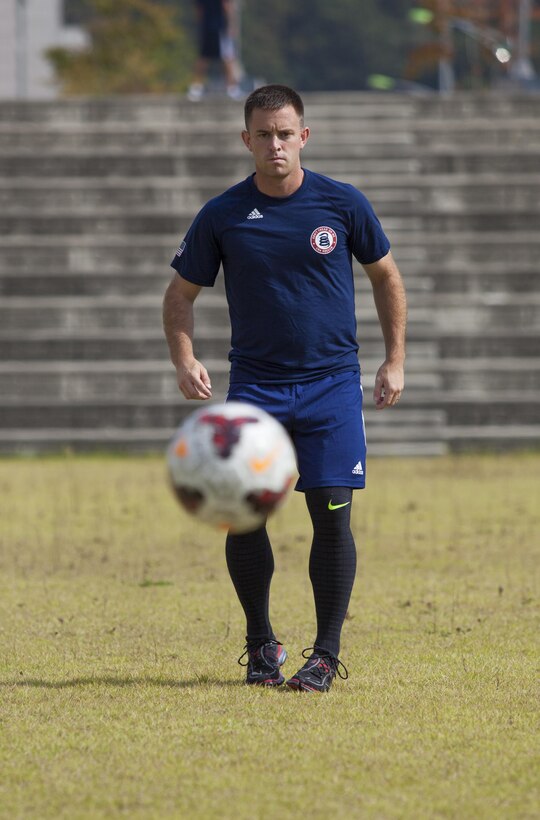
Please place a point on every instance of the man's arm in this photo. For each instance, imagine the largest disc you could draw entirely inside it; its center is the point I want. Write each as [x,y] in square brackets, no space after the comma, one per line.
[391,304]
[178,323]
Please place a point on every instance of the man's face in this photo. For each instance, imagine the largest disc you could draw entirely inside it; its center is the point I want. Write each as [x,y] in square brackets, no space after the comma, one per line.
[275,138]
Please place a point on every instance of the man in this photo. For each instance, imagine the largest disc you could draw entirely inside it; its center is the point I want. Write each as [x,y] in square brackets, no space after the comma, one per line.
[285,237]
[216,42]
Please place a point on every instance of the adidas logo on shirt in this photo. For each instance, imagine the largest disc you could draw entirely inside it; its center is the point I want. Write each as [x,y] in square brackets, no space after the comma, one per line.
[358,470]
[255,214]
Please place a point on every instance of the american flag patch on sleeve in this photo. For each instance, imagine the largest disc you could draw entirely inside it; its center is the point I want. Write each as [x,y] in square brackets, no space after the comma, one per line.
[181,249]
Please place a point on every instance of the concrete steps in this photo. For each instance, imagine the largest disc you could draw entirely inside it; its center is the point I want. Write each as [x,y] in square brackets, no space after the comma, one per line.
[124,194]
[144,312]
[95,195]
[368,107]
[43,440]
[109,223]
[117,253]
[118,379]
[495,278]
[193,160]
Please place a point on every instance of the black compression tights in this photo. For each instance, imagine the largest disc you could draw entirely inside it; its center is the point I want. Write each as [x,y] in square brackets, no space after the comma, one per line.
[332,562]
[332,568]
[251,566]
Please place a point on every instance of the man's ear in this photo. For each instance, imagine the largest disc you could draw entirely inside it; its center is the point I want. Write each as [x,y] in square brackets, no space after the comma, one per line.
[246,139]
[304,136]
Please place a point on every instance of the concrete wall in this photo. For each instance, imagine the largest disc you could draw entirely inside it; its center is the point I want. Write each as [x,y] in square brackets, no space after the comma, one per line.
[96,194]
[27,29]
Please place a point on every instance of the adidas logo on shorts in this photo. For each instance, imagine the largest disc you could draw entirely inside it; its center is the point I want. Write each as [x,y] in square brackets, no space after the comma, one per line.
[358,470]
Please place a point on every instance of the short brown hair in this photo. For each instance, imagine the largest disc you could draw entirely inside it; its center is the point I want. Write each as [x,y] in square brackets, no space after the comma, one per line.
[272,98]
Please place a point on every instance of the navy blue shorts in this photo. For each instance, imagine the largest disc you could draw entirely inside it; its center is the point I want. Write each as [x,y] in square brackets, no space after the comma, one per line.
[325,421]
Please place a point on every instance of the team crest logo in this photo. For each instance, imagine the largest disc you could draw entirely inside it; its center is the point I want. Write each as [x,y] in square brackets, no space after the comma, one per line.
[323,239]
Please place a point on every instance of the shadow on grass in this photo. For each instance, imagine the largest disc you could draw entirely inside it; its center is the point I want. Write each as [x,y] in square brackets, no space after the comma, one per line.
[110,680]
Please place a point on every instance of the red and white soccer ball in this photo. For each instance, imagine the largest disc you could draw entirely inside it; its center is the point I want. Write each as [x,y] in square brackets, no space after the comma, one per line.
[231,465]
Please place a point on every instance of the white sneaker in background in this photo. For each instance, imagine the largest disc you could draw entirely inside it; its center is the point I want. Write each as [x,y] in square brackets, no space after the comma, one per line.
[195,92]
[235,92]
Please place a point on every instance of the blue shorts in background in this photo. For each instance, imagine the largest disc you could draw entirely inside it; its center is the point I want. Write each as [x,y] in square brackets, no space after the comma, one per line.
[325,421]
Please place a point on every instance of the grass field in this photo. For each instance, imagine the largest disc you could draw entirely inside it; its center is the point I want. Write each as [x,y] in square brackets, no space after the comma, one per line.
[120,693]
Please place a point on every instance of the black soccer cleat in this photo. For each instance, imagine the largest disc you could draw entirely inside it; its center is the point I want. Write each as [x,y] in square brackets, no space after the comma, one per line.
[318,673]
[264,662]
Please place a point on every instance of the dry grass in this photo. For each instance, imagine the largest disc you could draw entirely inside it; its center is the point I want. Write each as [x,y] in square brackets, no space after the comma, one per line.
[120,695]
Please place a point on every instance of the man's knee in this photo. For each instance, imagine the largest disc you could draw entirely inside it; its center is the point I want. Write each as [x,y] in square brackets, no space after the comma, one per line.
[330,507]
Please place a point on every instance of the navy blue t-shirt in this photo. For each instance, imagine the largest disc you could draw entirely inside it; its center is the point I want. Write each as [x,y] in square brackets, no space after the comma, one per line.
[288,274]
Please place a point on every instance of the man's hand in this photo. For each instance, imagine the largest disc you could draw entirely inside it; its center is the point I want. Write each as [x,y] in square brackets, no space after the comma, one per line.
[194,381]
[389,383]
[192,376]
[391,304]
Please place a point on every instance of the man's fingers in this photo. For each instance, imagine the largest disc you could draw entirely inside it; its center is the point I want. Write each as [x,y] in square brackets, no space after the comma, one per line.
[388,398]
[391,395]
[195,383]
[378,391]
[384,395]
[388,386]
[193,388]
[205,378]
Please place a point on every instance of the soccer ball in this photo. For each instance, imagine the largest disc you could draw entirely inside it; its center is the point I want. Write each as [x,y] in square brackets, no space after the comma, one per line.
[231,465]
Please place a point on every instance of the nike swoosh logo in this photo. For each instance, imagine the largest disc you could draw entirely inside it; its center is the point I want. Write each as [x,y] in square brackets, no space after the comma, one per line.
[260,465]
[336,506]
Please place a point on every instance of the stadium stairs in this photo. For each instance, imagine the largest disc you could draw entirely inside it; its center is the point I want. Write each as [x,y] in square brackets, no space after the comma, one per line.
[95,196]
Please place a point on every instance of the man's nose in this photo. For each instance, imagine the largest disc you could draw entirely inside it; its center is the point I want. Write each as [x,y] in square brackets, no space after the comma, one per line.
[274,142]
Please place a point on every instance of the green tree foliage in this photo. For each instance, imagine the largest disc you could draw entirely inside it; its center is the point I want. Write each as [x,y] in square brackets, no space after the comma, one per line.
[136,46]
[149,45]
[316,45]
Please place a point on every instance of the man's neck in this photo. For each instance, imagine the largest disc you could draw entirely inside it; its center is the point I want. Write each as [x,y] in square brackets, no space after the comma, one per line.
[279,188]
